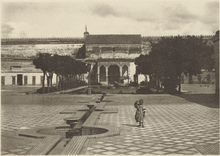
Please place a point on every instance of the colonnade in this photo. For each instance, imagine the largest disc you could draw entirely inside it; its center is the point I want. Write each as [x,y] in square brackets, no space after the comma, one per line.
[123,67]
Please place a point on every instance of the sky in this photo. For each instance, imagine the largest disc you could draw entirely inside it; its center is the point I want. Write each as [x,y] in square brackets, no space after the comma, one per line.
[144,17]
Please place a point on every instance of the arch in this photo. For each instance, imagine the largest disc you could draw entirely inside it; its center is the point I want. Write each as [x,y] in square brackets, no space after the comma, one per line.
[125,71]
[113,74]
[102,74]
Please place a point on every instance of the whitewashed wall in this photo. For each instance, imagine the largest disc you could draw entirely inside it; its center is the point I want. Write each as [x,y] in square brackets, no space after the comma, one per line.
[8,78]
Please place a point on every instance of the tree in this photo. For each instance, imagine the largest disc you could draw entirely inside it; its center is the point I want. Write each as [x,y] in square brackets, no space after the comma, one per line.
[81,53]
[67,70]
[172,56]
[65,67]
[43,61]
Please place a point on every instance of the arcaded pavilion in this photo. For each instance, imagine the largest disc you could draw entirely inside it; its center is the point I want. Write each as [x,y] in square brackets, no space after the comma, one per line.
[114,56]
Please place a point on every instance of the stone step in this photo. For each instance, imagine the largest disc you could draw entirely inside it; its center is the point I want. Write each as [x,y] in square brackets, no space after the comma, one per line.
[74,146]
[45,146]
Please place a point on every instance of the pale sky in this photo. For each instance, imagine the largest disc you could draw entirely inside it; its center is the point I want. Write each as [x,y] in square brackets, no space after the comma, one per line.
[145,17]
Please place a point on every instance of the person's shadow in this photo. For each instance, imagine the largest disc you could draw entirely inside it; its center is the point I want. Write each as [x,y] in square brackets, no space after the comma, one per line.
[130,125]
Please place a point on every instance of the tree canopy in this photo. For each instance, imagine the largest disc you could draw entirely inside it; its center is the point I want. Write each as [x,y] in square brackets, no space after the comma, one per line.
[81,52]
[172,56]
[65,67]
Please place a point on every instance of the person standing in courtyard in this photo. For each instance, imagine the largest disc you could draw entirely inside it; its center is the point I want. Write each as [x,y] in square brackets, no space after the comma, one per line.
[140,112]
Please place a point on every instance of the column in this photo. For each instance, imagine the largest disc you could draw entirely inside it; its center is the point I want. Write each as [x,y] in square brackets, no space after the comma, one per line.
[98,72]
[106,71]
[128,74]
[120,71]
[91,66]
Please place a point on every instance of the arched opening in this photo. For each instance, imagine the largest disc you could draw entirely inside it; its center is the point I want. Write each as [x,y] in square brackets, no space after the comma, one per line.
[125,74]
[113,74]
[102,74]
[124,71]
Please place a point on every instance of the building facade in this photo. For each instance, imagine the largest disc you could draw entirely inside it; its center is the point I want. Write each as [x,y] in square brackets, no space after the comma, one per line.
[17,56]
[111,57]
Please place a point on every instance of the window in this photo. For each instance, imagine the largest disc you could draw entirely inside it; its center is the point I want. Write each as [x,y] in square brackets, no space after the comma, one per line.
[41,80]
[33,80]
[13,80]
[25,80]
[3,80]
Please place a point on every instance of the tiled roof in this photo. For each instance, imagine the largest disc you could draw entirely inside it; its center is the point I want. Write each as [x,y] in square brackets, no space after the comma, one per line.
[113,39]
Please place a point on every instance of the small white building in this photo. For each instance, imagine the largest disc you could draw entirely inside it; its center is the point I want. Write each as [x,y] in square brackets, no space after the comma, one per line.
[21,72]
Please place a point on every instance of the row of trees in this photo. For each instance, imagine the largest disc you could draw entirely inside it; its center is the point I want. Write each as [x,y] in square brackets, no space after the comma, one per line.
[66,68]
[171,57]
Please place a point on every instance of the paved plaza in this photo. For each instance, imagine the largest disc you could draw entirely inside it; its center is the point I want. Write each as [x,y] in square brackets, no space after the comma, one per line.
[184,125]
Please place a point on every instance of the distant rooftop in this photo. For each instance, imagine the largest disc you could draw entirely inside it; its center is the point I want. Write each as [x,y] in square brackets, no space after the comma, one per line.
[90,39]
[52,40]
[113,39]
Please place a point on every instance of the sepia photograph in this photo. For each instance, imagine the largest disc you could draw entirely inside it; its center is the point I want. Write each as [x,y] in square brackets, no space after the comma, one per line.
[107,77]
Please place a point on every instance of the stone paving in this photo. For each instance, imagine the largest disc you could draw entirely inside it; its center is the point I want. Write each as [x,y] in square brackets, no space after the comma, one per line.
[29,111]
[173,125]
[169,129]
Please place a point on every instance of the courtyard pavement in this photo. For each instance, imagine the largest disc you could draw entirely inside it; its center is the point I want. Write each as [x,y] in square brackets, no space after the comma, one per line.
[185,124]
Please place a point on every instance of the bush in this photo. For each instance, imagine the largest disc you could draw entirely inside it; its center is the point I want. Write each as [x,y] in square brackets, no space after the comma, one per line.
[144,90]
[144,83]
[133,84]
[81,83]
[170,86]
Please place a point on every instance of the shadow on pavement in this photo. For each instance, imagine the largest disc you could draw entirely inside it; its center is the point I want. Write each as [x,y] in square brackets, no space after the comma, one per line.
[130,125]
[208,100]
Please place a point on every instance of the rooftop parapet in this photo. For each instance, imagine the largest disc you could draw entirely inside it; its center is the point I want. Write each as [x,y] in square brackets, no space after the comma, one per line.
[77,40]
[49,40]
[205,37]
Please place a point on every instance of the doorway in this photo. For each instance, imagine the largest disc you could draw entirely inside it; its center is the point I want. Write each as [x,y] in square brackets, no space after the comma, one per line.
[113,74]
[19,79]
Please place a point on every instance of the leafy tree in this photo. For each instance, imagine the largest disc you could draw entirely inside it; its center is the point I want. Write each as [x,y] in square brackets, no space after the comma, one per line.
[172,56]
[43,62]
[81,68]
[65,67]
[81,52]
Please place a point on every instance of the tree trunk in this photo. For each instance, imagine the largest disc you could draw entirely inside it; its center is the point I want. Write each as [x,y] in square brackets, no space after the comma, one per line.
[43,83]
[51,80]
[65,77]
[179,83]
[60,82]
[48,84]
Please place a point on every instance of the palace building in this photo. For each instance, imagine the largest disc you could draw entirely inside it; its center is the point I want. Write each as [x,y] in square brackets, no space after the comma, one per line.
[111,57]
[114,56]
